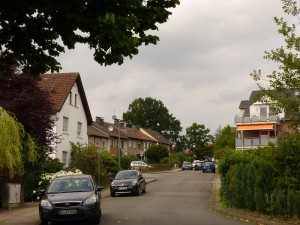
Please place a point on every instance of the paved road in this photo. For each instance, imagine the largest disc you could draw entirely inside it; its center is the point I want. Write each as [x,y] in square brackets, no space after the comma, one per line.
[162,200]
[174,199]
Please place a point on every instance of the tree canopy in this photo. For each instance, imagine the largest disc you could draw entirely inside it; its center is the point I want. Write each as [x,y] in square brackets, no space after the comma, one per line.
[152,113]
[14,143]
[197,138]
[33,33]
[284,82]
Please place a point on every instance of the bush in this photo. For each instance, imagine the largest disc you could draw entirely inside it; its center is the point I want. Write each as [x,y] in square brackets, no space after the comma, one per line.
[155,153]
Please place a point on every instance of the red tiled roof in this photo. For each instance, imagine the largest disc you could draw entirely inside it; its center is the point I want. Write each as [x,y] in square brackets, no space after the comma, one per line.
[59,86]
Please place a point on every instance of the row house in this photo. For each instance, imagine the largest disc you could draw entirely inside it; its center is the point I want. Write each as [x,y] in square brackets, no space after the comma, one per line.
[132,140]
[257,125]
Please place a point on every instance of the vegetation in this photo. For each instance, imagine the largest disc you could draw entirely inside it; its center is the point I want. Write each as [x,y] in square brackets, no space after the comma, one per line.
[155,153]
[197,139]
[224,141]
[34,33]
[151,113]
[31,107]
[285,80]
[15,143]
[266,180]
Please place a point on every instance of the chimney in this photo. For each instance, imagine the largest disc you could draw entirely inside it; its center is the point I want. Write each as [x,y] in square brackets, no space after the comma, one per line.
[99,120]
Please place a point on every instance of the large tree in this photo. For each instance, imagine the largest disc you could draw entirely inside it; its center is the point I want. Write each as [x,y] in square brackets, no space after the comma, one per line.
[198,139]
[31,106]
[284,82]
[34,32]
[152,113]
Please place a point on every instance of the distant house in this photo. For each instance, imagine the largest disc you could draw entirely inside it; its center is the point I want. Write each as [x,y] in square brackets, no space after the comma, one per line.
[257,125]
[71,112]
[132,140]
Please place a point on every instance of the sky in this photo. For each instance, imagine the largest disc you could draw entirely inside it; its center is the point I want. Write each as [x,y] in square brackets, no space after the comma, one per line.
[200,69]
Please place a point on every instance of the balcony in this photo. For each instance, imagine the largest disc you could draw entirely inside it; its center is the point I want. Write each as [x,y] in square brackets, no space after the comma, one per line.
[249,143]
[256,118]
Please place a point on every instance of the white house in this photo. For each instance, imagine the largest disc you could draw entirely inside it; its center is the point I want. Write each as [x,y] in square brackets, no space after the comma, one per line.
[71,112]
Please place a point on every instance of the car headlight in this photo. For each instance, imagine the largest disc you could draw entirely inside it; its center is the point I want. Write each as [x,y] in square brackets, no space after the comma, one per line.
[45,203]
[90,200]
[134,182]
[113,184]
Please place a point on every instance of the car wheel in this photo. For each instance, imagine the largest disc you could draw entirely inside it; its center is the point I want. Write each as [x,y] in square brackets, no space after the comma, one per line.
[96,220]
[203,171]
[112,194]
[44,222]
[138,191]
[144,190]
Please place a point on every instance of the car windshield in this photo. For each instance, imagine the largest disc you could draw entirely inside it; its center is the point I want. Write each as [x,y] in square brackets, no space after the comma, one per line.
[126,175]
[187,163]
[70,185]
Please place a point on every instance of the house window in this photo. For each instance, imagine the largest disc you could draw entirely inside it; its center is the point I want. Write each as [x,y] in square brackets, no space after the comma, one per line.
[65,124]
[122,144]
[129,144]
[64,157]
[263,111]
[139,145]
[70,98]
[103,144]
[79,126]
[76,100]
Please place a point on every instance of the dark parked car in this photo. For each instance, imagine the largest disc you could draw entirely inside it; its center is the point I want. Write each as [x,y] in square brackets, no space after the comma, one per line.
[71,197]
[187,166]
[209,167]
[128,182]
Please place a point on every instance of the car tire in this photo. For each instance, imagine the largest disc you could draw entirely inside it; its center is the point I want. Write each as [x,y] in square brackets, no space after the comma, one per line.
[138,191]
[97,218]
[112,194]
[44,222]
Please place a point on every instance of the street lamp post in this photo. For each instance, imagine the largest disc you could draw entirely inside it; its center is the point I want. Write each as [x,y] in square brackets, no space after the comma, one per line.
[114,117]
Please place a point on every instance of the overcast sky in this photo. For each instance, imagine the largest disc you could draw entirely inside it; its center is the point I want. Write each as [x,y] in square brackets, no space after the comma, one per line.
[200,69]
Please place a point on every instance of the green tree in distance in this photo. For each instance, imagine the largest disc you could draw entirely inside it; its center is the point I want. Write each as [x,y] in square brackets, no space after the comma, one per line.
[224,141]
[197,139]
[284,80]
[34,33]
[152,113]
[155,153]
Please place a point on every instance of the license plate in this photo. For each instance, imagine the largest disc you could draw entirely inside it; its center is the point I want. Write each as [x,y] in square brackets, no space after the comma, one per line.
[67,212]
[122,188]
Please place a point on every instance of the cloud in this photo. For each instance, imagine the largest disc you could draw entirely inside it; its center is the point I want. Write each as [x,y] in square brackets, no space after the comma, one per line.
[199,69]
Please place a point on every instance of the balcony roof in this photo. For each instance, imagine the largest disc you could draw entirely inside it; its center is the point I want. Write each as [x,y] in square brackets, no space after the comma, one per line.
[256,127]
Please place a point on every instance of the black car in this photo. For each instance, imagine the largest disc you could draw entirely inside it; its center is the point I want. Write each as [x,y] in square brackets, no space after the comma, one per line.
[128,182]
[69,198]
[209,167]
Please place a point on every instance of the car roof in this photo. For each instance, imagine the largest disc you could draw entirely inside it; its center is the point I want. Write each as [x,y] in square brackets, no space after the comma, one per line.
[73,176]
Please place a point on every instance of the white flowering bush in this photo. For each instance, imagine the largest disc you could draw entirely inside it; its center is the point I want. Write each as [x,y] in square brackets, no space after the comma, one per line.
[48,177]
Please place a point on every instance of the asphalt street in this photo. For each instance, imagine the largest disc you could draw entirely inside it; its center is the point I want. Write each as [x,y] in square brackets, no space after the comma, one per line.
[24,214]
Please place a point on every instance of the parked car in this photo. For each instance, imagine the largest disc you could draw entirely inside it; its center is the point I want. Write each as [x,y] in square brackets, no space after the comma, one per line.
[197,164]
[71,197]
[140,164]
[128,182]
[187,166]
[209,167]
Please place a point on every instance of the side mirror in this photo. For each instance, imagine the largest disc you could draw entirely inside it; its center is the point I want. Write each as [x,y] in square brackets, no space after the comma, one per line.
[99,188]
